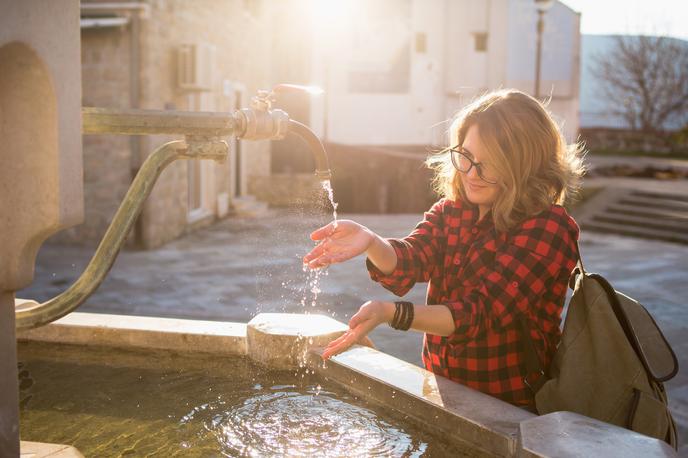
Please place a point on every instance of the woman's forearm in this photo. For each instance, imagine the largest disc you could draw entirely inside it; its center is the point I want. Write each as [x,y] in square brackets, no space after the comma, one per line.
[433,319]
[382,254]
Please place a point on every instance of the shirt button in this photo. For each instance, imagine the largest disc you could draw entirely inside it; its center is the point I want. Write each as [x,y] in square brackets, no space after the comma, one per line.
[514,284]
[457,261]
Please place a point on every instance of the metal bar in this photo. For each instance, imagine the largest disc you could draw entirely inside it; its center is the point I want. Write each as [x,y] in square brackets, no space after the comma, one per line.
[30,314]
[538,52]
[9,390]
[155,122]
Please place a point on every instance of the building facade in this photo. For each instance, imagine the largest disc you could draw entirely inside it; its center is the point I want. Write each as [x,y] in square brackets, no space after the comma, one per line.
[205,55]
[394,70]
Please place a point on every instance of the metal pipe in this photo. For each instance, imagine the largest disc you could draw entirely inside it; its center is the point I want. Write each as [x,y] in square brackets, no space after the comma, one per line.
[247,124]
[538,51]
[322,165]
[30,314]
[153,122]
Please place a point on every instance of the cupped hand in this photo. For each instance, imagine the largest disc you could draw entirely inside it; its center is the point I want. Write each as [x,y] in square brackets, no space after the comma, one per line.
[369,316]
[339,241]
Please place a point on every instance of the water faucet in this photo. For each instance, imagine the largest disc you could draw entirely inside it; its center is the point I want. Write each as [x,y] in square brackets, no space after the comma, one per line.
[262,122]
[202,132]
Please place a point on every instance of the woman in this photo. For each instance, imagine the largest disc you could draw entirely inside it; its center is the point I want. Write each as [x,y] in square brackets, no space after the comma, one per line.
[497,250]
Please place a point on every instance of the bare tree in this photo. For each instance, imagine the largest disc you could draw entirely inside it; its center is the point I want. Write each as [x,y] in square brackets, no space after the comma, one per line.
[646,80]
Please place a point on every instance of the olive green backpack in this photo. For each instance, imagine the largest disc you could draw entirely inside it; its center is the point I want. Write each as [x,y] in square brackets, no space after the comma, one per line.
[611,362]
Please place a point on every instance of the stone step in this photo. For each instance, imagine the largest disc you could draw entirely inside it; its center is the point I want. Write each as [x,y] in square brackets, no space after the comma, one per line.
[663,196]
[248,206]
[662,224]
[634,231]
[654,202]
[638,213]
[649,212]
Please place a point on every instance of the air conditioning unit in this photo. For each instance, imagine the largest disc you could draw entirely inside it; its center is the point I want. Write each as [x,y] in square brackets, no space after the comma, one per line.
[196,67]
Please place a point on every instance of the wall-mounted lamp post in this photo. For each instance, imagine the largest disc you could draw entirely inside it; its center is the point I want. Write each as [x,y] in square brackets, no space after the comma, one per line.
[542,6]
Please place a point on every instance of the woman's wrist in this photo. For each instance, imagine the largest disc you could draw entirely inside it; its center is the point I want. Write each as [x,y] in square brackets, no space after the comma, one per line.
[381,253]
[388,309]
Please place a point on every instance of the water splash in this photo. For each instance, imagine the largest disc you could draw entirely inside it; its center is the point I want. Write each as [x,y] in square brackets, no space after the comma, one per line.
[327,186]
[313,275]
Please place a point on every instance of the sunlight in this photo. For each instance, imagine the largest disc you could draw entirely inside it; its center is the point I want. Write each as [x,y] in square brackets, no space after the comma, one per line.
[329,11]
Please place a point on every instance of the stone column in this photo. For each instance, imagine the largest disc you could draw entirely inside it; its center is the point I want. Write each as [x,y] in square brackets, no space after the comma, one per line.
[9,401]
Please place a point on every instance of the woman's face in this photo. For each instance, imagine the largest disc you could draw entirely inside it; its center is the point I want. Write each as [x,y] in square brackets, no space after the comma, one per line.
[477,190]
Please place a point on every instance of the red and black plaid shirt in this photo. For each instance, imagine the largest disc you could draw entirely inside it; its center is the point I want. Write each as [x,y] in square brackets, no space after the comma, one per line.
[488,279]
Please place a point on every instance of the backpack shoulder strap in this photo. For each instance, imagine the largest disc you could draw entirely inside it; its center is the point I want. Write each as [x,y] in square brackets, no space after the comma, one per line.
[533,364]
[578,269]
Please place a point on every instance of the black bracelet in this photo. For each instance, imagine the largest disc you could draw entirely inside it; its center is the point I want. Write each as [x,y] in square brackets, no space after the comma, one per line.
[395,320]
[406,324]
[403,315]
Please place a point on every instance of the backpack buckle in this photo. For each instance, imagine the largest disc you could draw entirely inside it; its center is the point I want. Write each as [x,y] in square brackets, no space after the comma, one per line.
[537,384]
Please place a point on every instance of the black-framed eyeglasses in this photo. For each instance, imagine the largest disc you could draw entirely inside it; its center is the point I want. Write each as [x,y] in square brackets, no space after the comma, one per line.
[463,162]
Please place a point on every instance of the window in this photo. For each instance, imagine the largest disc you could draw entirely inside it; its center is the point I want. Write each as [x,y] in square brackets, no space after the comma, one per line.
[480,41]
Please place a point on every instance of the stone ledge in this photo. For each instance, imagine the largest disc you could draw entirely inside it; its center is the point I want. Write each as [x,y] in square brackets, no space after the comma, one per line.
[143,332]
[29,449]
[471,420]
[568,434]
[282,340]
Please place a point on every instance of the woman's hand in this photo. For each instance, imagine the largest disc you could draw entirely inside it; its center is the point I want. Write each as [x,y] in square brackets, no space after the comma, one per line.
[368,317]
[339,241]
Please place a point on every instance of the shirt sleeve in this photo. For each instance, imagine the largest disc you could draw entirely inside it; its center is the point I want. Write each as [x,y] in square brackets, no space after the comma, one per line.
[529,265]
[419,255]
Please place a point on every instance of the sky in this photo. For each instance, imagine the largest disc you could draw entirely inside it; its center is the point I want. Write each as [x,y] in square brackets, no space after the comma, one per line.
[653,17]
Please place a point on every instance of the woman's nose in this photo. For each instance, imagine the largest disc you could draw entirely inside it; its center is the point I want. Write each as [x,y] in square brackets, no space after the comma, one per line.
[473,172]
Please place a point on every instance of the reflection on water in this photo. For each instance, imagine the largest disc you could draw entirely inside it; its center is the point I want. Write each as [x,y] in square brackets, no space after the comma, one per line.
[111,402]
[286,420]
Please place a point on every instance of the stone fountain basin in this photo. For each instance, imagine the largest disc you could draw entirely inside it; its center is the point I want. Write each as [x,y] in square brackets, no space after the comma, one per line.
[465,417]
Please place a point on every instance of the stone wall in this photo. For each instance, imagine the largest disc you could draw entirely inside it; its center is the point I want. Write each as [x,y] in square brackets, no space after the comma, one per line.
[364,179]
[229,26]
[599,139]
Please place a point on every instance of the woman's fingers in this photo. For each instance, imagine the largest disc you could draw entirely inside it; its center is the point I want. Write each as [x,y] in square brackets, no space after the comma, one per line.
[323,232]
[358,318]
[315,253]
[341,344]
[352,336]
[325,254]
[365,340]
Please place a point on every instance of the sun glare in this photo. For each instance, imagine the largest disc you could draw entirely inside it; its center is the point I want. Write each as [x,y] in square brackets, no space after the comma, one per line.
[328,11]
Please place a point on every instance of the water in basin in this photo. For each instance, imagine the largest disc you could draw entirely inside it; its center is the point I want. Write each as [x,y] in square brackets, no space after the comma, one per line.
[114,402]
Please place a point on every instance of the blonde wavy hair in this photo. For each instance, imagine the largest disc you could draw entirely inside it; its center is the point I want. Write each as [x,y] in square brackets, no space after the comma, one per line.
[524,146]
